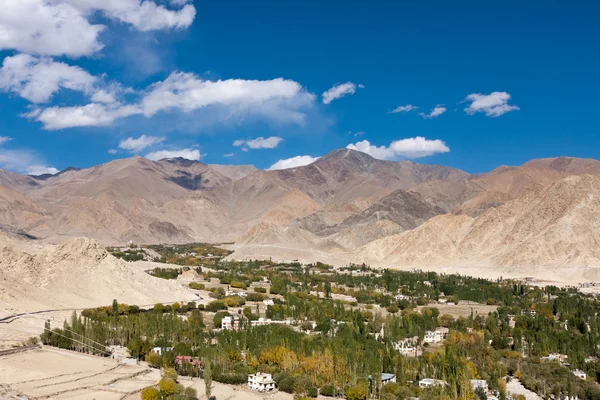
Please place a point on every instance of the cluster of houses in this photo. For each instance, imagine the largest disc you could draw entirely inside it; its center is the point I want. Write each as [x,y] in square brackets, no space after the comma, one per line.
[563,360]
[234,322]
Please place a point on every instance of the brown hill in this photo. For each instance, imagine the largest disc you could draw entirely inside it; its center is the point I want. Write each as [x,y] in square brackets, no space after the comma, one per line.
[554,227]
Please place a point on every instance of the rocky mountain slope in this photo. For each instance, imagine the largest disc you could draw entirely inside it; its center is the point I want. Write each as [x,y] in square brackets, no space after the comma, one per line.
[345,204]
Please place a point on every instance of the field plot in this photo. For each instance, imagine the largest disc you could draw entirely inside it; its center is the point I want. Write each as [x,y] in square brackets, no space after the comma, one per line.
[56,374]
[462,309]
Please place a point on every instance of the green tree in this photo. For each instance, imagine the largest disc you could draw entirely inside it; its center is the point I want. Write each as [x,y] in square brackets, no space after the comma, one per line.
[208,385]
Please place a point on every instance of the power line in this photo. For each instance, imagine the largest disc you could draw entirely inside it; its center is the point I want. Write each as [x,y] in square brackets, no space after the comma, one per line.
[66,330]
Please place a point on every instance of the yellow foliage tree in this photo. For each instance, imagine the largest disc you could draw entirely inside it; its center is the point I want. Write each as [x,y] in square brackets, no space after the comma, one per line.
[167,386]
[150,393]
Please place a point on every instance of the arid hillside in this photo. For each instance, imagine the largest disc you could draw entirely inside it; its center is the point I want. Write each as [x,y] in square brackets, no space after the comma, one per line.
[346,206]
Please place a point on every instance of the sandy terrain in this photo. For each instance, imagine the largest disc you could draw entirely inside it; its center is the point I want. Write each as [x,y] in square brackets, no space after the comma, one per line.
[56,374]
[515,387]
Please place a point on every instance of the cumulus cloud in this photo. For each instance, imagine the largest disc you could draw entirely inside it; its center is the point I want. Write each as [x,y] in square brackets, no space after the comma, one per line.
[93,114]
[141,143]
[276,100]
[62,27]
[259,143]
[103,96]
[405,148]
[112,151]
[436,112]
[4,139]
[188,154]
[37,79]
[338,91]
[293,162]
[36,170]
[401,109]
[493,105]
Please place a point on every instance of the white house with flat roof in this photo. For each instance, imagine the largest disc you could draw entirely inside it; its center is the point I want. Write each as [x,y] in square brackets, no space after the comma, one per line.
[261,382]
[430,382]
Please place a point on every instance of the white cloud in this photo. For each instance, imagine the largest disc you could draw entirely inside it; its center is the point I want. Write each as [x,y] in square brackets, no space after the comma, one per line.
[357,134]
[36,170]
[405,148]
[277,99]
[361,86]
[4,139]
[406,108]
[493,104]
[293,162]
[48,28]
[61,27]
[228,155]
[436,112]
[144,15]
[338,91]
[141,143]
[259,143]
[93,114]
[37,79]
[189,154]
[103,96]
[112,151]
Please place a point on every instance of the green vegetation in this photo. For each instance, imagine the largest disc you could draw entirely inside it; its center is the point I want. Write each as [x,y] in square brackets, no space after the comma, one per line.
[355,339]
[192,254]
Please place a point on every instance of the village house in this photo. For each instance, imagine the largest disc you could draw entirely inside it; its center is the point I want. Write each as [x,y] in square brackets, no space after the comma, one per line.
[437,336]
[268,302]
[479,383]
[261,382]
[161,350]
[181,360]
[429,382]
[561,358]
[385,378]
[407,347]
[262,321]
[231,323]
[580,374]
[230,293]
[400,297]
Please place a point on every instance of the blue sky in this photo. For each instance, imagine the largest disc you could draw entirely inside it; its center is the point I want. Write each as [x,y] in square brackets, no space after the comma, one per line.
[480,84]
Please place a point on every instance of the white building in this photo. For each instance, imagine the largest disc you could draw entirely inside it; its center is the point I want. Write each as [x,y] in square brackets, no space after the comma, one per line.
[161,350]
[268,302]
[407,347]
[231,323]
[400,297]
[437,336]
[261,382]
[580,374]
[429,382]
[262,321]
[479,383]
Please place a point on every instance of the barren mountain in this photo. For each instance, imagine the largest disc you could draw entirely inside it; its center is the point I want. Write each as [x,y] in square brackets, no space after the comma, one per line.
[347,205]
[553,227]
[76,274]
[571,165]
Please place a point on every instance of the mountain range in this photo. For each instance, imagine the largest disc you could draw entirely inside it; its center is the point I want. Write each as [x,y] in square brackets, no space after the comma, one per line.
[346,206]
